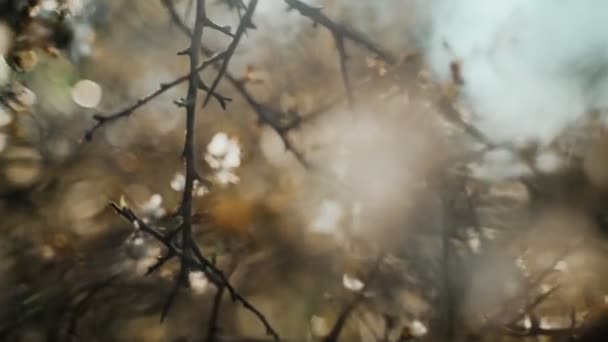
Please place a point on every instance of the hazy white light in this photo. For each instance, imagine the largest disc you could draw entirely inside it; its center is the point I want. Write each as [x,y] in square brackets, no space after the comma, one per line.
[198,282]
[489,233]
[273,148]
[329,214]
[87,93]
[499,164]
[548,162]
[521,92]
[75,6]
[49,5]
[473,241]
[199,190]
[521,264]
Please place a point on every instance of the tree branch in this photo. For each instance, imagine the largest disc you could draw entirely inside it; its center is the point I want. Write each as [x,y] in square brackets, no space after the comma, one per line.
[243,25]
[264,113]
[102,120]
[316,15]
[338,326]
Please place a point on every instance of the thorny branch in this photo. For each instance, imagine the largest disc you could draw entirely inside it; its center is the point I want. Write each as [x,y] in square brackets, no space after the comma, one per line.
[265,114]
[189,154]
[268,115]
[195,262]
[213,328]
[346,312]
[83,304]
[316,15]
[449,112]
[186,249]
[189,253]
[530,306]
[245,23]
[340,33]
[102,120]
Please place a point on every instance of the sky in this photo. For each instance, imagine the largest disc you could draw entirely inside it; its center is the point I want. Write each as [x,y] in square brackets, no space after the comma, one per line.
[530,67]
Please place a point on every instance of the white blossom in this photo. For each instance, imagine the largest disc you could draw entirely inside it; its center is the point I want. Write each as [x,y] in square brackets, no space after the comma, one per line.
[232,158]
[199,190]
[224,156]
[417,328]
[319,326]
[218,145]
[178,183]
[226,177]
[352,283]
[153,207]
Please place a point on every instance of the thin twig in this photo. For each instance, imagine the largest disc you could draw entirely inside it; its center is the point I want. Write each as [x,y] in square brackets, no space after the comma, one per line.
[160,262]
[215,314]
[338,326]
[265,114]
[236,296]
[243,26]
[198,261]
[82,306]
[102,120]
[316,15]
[189,154]
[343,70]
[340,33]
[181,277]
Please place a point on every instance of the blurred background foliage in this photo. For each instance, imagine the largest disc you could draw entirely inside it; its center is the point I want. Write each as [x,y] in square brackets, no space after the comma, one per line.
[466,238]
